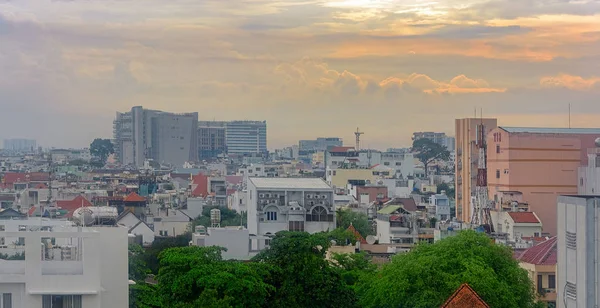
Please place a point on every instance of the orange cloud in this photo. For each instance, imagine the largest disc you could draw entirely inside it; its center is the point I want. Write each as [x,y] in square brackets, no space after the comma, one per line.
[571,82]
[312,73]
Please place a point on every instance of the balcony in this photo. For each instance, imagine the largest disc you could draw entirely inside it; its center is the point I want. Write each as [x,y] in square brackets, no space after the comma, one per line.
[62,268]
[12,267]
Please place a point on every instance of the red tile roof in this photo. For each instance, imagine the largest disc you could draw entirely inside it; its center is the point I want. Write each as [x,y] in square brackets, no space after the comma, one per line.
[341,149]
[14,177]
[133,197]
[39,176]
[524,217]
[359,237]
[544,253]
[464,297]
[72,205]
[200,185]
[234,179]
[41,186]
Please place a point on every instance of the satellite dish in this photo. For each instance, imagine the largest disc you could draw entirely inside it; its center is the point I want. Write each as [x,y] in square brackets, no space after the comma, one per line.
[371,240]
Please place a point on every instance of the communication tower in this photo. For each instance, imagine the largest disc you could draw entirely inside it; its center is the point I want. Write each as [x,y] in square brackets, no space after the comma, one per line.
[481,204]
[357,134]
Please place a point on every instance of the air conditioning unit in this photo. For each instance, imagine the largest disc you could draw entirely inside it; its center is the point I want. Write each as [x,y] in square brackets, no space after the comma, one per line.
[267,195]
[261,195]
[309,196]
[323,197]
[275,195]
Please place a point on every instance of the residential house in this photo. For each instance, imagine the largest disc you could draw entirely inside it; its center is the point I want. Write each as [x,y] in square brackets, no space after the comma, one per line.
[540,263]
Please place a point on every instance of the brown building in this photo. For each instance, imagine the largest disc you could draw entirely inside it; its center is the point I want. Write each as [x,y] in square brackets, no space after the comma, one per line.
[466,163]
[374,193]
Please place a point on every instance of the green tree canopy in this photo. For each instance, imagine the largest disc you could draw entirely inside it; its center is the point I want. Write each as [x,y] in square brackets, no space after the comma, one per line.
[428,275]
[138,270]
[228,217]
[360,221]
[304,278]
[429,151]
[197,277]
[101,149]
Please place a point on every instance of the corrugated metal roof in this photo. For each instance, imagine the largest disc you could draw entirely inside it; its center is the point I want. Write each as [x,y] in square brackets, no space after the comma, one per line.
[389,209]
[551,130]
[289,183]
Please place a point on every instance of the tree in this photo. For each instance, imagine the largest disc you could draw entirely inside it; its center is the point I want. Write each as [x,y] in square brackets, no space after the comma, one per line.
[138,270]
[303,277]
[360,221]
[429,151]
[428,275]
[228,217]
[101,149]
[353,267]
[443,187]
[198,277]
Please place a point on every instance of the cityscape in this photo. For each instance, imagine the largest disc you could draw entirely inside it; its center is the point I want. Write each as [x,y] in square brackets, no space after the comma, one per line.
[327,153]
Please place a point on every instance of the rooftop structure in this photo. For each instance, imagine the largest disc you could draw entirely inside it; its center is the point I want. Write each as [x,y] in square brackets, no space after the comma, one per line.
[290,183]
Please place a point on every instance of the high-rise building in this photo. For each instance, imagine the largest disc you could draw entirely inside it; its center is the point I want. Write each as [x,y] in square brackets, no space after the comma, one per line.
[319,144]
[466,163]
[20,145]
[151,134]
[211,139]
[439,138]
[246,137]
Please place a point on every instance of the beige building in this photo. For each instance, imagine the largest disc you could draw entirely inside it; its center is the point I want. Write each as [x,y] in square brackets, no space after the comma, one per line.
[540,263]
[466,162]
[339,178]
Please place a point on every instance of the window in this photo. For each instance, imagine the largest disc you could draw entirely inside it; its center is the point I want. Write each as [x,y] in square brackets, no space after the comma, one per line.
[498,148]
[380,196]
[7,300]
[272,216]
[267,242]
[539,283]
[61,301]
[497,173]
[551,281]
[319,213]
[296,226]
[536,234]
[398,163]
[581,182]
[387,163]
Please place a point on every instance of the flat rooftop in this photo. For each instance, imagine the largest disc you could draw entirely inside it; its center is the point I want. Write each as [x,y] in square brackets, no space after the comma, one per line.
[551,130]
[289,183]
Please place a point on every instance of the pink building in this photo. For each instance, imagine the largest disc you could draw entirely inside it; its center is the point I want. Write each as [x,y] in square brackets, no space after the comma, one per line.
[535,165]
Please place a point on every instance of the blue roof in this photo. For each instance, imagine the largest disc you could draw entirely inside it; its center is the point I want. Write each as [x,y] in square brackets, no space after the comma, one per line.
[551,130]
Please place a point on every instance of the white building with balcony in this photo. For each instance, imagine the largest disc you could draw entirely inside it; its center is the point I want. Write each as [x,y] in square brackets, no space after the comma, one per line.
[60,267]
[293,204]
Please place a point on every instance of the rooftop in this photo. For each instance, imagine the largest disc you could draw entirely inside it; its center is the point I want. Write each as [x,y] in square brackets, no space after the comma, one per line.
[524,217]
[551,130]
[289,183]
[544,253]
[465,296]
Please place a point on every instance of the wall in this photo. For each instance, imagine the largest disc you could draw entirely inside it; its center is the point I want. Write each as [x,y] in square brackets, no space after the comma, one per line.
[541,166]
[383,231]
[339,177]
[235,241]
[372,191]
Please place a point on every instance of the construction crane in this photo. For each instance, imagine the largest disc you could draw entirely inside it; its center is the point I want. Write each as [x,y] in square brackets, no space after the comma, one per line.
[357,134]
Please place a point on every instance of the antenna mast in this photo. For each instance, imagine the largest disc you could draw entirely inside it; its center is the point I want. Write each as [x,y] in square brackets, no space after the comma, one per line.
[481,204]
[357,134]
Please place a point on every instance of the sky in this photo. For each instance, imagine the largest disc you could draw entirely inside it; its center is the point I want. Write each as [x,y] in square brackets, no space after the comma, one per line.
[309,68]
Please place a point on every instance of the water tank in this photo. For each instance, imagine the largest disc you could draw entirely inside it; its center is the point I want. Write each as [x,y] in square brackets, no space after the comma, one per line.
[95,215]
[597,141]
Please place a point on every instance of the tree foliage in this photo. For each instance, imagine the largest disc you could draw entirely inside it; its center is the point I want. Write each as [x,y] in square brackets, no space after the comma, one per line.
[197,277]
[101,149]
[228,217]
[150,257]
[429,151]
[303,277]
[360,221]
[428,275]
[138,270]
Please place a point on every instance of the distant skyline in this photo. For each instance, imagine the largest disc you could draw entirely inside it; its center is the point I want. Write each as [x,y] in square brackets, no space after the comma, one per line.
[309,68]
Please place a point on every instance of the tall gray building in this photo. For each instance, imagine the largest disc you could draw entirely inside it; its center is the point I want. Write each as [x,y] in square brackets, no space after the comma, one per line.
[20,145]
[246,137]
[165,137]
[211,139]
[319,144]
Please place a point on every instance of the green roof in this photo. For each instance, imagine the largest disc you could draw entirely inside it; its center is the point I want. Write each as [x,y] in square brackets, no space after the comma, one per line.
[389,209]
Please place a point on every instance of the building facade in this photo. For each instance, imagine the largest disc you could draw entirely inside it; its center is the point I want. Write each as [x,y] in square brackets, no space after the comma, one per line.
[293,204]
[142,134]
[246,137]
[211,139]
[64,273]
[466,163]
[20,145]
[319,144]
[578,232]
[589,176]
[539,163]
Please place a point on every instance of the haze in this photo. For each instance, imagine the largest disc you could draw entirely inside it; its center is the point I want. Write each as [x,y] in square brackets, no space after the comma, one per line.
[310,68]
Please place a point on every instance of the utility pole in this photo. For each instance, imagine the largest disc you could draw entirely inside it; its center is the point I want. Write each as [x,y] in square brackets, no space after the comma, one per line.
[357,134]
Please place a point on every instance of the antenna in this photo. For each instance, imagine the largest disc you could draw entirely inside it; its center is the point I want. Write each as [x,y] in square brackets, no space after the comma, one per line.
[569,115]
[357,134]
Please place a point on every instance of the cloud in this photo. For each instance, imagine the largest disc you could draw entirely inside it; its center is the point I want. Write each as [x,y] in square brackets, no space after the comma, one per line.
[571,82]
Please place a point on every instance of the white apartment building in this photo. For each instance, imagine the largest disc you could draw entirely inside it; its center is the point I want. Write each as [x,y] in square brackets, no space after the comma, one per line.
[294,204]
[578,268]
[85,267]
[165,137]
[20,145]
[441,206]
[401,163]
